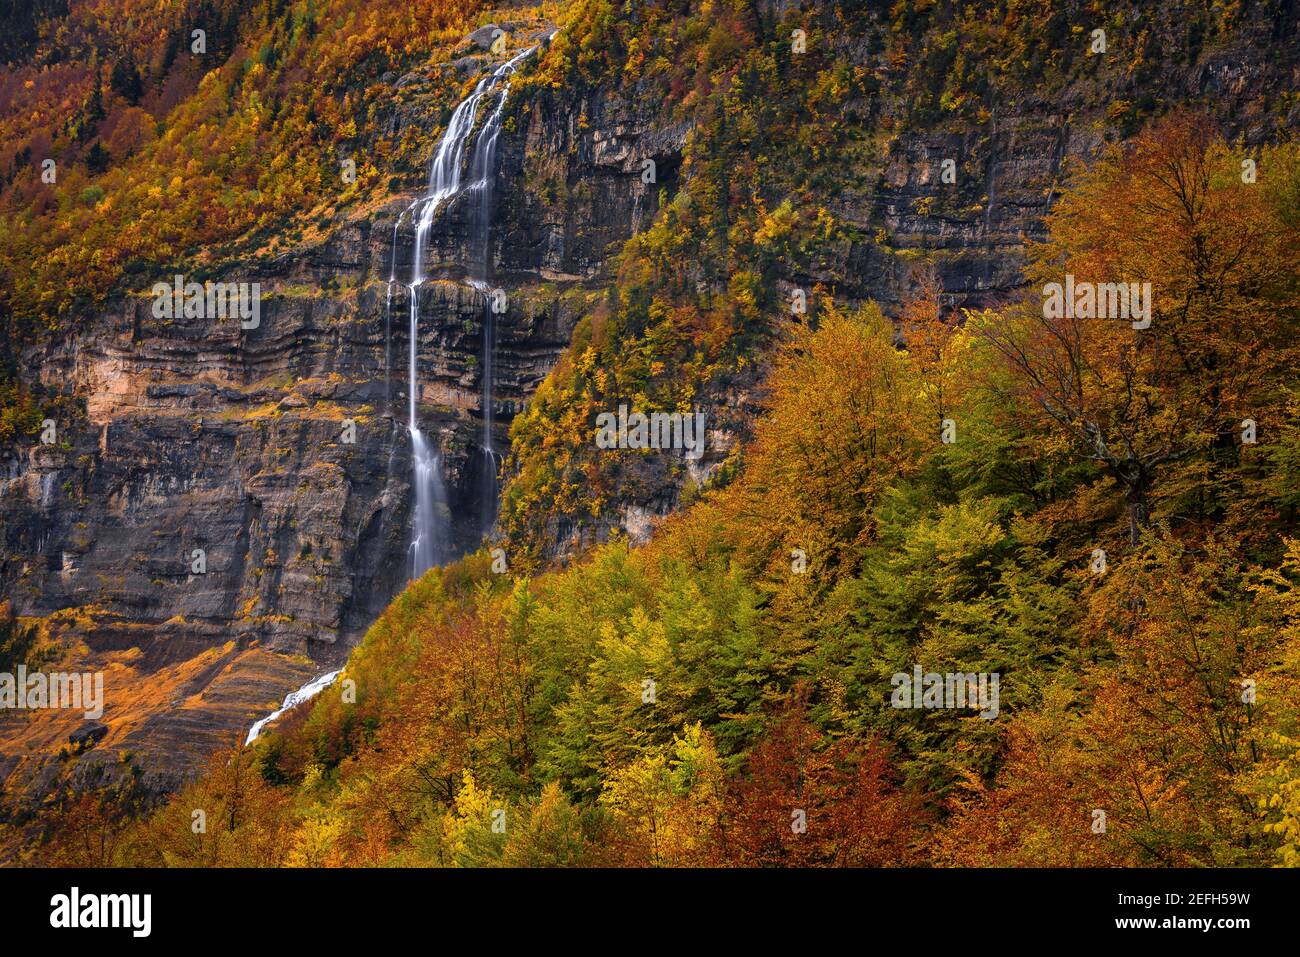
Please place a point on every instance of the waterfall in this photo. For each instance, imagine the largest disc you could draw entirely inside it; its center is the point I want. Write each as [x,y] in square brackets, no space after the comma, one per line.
[481,170]
[428,541]
[428,538]
[491,461]
[388,348]
[308,691]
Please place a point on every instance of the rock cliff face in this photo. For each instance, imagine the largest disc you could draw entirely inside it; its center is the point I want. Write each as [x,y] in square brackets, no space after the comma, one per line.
[196,434]
[1009,164]
[971,229]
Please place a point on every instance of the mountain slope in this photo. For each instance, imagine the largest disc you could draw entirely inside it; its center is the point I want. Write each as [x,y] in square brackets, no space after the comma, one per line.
[776,172]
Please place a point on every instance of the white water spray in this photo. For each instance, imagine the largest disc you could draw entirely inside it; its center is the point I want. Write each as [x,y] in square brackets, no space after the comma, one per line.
[308,691]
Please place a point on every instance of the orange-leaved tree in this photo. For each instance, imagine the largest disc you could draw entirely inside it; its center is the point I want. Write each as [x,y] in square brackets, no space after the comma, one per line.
[1168,306]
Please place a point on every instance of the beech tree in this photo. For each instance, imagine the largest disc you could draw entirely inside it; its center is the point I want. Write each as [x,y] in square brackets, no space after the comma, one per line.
[1171,210]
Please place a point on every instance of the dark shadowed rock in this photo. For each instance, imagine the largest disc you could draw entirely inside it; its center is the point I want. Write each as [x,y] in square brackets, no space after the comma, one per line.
[88,735]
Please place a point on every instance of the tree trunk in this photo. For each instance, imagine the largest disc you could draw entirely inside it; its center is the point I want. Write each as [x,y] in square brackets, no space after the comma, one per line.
[1138,517]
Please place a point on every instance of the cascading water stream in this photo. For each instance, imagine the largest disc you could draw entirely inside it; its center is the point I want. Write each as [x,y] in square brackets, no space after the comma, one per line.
[295,698]
[481,170]
[427,543]
[491,461]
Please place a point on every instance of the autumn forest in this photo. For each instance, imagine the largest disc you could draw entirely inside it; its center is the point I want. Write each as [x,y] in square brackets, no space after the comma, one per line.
[987,555]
